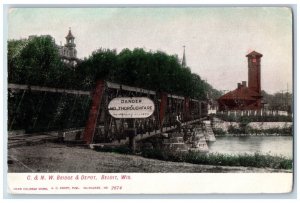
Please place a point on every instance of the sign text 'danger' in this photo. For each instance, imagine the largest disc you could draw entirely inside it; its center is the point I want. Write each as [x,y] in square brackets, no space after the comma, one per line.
[131,107]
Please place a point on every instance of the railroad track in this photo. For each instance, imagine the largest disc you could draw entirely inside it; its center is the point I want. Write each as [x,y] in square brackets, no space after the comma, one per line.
[29,139]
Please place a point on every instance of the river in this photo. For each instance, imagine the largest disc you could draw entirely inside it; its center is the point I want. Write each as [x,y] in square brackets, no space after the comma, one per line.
[274,145]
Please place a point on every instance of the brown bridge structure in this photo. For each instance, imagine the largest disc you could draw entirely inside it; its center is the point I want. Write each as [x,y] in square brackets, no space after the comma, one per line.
[102,128]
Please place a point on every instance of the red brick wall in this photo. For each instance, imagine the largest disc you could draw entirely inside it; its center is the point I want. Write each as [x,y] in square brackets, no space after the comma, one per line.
[254,73]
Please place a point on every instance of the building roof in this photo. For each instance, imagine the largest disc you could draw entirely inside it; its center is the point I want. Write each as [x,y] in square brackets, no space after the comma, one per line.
[70,36]
[254,53]
[241,93]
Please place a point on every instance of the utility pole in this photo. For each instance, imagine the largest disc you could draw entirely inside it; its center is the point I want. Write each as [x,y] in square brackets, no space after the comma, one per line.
[287,97]
[282,100]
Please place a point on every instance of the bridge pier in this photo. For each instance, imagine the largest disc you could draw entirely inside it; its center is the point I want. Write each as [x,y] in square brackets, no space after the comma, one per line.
[131,133]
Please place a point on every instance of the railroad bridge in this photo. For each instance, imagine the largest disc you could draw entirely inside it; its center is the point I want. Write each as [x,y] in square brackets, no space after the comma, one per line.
[103,128]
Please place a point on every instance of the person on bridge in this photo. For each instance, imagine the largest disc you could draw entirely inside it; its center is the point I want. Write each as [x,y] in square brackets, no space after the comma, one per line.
[178,122]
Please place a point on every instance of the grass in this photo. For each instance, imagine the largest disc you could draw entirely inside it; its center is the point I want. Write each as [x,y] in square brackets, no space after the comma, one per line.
[251,131]
[247,160]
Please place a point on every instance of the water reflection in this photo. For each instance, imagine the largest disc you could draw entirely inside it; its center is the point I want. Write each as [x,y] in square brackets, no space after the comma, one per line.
[275,145]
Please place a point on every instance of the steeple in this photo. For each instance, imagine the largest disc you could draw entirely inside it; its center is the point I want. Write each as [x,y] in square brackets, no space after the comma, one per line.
[70,39]
[183,58]
[68,52]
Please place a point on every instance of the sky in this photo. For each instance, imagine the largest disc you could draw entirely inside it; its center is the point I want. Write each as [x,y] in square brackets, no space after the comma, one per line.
[217,40]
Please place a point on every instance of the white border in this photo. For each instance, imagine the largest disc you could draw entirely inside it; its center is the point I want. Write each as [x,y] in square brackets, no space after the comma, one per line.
[64,2]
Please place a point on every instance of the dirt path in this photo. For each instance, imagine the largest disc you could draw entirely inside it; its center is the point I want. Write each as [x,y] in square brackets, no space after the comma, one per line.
[51,157]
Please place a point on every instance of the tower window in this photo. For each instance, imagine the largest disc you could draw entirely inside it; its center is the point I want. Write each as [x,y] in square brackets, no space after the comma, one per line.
[254,60]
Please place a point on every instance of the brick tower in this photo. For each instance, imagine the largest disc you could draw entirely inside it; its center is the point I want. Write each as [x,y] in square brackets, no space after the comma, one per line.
[243,97]
[254,80]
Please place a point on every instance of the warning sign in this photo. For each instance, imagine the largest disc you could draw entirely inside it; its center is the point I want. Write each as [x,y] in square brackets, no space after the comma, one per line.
[131,107]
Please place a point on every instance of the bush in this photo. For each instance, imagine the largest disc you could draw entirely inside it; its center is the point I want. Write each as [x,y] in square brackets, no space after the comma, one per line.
[281,131]
[245,160]
[235,130]
[219,131]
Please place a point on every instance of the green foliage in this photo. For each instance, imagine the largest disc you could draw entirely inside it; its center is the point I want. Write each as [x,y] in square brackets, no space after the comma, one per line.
[245,129]
[219,131]
[36,61]
[246,160]
[271,131]
[279,101]
[14,48]
[38,112]
[151,70]
[100,65]
[235,130]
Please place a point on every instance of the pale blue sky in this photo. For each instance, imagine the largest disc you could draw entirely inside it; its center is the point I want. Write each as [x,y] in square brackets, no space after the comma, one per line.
[216,39]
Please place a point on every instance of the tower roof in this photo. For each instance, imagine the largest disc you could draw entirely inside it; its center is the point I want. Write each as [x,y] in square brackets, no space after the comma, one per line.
[254,53]
[70,36]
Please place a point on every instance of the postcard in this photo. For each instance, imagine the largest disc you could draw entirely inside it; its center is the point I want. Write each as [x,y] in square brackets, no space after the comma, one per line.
[150,100]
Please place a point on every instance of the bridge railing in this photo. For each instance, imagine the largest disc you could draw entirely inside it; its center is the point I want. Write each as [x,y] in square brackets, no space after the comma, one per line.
[255,115]
[262,112]
[44,109]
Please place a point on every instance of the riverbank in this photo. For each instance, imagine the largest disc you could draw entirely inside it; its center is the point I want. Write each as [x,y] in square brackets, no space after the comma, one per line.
[226,128]
[217,159]
[251,135]
[59,158]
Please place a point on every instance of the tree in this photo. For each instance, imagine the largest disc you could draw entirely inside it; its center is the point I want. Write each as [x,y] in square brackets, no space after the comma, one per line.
[278,101]
[14,48]
[100,65]
[157,71]
[36,61]
[40,62]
